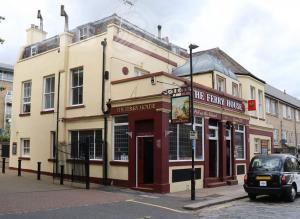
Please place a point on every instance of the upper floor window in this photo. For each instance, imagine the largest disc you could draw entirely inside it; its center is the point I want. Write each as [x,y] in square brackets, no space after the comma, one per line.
[33,50]
[221,84]
[26,96]
[139,71]
[284,113]
[48,97]
[260,103]
[6,76]
[289,112]
[297,115]
[268,105]
[77,86]
[83,33]
[235,89]
[274,107]
[252,93]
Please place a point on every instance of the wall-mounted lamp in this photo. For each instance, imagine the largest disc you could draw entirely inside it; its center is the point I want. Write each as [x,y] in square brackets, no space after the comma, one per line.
[129,134]
[167,132]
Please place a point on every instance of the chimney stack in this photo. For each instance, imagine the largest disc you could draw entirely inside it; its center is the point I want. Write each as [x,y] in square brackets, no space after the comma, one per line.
[64,14]
[159,31]
[35,34]
[39,16]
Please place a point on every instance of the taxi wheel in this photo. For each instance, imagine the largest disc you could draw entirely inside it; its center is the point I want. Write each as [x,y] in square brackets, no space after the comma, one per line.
[291,194]
[251,196]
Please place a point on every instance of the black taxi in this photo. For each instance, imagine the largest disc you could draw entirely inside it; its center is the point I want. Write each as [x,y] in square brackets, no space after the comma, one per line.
[275,175]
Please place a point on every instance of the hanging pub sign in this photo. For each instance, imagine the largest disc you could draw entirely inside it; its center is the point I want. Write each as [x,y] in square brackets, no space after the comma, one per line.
[180,109]
[251,105]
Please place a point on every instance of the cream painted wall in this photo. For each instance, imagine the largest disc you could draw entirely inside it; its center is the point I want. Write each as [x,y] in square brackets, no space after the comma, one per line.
[185,185]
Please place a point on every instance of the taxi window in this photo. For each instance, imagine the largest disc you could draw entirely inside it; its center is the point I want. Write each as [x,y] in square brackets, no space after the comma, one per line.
[266,164]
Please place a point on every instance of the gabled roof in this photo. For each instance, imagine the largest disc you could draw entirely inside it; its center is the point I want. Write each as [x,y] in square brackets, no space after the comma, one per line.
[274,92]
[224,60]
[203,63]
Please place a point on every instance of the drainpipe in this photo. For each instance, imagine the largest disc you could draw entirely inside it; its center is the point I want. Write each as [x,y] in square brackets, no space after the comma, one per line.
[57,123]
[296,138]
[105,112]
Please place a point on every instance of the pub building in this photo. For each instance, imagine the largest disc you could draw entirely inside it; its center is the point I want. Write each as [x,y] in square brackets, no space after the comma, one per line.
[159,151]
[120,115]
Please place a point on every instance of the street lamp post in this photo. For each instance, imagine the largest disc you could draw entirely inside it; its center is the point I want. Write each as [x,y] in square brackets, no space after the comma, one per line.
[191,47]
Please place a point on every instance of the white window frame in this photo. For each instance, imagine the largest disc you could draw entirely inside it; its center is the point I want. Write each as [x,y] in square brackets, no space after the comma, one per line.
[33,50]
[83,33]
[72,88]
[23,153]
[274,107]
[297,115]
[235,89]
[26,100]
[260,104]
[252,93]
[257,146]
[284,111]
[51,93]
[289,112]
[78,139]
[238,129]
[268,101]
[276,136]
[177,140]
[221,83]
[113,138]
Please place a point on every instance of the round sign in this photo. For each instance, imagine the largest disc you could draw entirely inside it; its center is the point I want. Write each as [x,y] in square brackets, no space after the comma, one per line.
[125,70]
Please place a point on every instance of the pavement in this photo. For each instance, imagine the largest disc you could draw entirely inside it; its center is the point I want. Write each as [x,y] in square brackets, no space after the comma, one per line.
[27,194]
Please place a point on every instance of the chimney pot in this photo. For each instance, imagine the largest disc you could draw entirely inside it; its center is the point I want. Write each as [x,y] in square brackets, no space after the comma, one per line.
[159,31]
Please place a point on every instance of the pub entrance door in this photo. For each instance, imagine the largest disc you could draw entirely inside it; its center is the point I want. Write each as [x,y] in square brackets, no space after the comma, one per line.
[144,161]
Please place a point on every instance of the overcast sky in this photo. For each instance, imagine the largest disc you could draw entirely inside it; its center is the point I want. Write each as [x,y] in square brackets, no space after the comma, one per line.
[262,35]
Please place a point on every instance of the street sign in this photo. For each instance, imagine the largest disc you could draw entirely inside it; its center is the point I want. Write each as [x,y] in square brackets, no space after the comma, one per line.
[193,135]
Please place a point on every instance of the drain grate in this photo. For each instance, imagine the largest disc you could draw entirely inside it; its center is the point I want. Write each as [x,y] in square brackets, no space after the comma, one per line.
[213,196]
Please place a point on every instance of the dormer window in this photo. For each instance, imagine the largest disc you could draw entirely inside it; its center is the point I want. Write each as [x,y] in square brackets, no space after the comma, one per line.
[221,83]
[33,50]
[83,33]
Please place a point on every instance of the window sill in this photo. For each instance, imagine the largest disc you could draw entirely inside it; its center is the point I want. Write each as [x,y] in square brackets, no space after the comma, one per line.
[75,106]
[47,111]
[93,162]
[24,114]
[118,163]
[185,162]
[24,158]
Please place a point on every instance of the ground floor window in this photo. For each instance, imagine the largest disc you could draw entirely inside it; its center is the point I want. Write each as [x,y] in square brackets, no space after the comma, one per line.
[120,137]
[86,141]
[240,141]
[25,147]
[180,143]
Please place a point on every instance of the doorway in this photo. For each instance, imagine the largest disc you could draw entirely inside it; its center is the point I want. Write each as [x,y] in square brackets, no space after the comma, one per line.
[228,153]
[213,152]
[145,163]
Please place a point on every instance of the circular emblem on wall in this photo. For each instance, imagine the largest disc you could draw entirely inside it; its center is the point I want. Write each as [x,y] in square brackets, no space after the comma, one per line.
[125,70]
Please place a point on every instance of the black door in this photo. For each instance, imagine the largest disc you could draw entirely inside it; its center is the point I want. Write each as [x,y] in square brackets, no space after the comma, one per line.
[228,158]
[148,160]
[213,156]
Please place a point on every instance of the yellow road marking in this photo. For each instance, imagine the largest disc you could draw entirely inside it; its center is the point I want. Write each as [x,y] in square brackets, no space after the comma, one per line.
[158,206]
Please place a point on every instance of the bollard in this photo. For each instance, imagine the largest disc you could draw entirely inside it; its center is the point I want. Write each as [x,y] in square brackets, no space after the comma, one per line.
[61,174]
[39,171]
[19,167]
[72,175]
[3,165]
[87,171]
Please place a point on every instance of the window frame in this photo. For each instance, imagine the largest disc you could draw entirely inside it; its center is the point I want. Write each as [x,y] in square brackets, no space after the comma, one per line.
[235,89]
[23,154]
[113,137]
[268,105]
[238,129]
[50,93]
[94,142]
[27,97]
[218,80]
[178,142]
[257,146]
[260,104]
[72,88]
